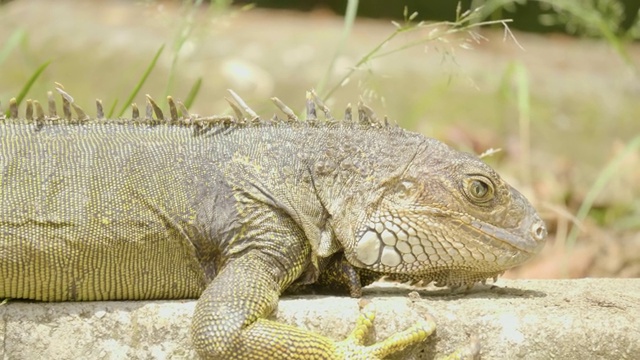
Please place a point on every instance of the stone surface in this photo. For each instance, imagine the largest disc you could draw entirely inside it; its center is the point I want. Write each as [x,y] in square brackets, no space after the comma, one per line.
[532,319]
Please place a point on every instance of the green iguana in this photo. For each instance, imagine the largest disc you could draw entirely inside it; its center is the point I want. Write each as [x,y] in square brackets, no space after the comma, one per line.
[234,210]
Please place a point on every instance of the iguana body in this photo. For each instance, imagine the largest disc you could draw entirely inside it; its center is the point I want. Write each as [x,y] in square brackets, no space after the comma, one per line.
[235,211]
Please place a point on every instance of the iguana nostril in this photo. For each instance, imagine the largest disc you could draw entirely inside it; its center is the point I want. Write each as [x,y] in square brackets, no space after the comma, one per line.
[538,230]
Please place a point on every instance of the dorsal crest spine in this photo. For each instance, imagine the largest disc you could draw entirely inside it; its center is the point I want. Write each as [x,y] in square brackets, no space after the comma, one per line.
[72,113]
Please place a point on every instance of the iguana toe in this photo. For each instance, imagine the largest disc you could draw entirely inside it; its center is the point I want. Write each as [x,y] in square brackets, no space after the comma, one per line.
[353,348]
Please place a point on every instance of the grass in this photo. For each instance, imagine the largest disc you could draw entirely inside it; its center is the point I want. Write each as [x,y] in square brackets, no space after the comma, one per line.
[27,86]
[465,23]
[184,32]
[611,170]
[17,37]
[349,19]
[517,73]
[136,89]
[587,16]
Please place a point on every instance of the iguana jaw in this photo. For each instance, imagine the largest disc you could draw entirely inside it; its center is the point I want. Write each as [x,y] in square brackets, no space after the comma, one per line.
[531,244]
[440,242]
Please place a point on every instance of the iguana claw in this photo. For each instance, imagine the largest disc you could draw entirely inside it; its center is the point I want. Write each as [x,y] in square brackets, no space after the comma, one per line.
[353,347]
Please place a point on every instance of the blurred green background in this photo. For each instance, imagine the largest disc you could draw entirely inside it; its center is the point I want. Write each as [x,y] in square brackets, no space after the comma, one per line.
[557,89]
[535,16]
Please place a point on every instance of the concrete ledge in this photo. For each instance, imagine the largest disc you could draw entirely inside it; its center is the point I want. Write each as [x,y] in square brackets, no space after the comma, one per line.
[562,319]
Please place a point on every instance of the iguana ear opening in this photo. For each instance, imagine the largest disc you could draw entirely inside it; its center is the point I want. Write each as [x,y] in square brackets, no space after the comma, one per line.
[377,241]
[402,191]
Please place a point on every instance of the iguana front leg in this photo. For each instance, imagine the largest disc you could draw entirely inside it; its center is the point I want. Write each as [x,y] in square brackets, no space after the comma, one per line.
[230,321]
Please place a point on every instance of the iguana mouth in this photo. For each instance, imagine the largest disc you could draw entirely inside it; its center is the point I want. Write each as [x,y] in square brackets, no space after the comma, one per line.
[402,243]
[528,238]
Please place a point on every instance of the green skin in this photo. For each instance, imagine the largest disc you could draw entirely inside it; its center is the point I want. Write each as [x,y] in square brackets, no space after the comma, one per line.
[235,214]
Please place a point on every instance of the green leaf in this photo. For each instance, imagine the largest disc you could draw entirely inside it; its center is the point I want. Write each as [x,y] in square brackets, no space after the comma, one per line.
[191,97]
[11,43]
[143,79]
[29,84]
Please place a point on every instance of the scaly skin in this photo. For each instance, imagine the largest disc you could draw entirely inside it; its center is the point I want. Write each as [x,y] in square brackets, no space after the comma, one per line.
[235,211]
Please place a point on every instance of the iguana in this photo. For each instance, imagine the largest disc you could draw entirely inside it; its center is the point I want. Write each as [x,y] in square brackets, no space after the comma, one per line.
[234,210]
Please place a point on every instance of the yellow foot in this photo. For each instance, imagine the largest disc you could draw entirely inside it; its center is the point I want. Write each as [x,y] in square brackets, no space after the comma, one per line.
[353,347]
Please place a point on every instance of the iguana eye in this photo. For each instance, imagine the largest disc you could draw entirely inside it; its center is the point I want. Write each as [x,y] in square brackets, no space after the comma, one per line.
[478,189]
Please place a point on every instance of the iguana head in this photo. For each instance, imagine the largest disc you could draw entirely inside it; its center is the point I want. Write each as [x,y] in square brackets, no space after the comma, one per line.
[445,216]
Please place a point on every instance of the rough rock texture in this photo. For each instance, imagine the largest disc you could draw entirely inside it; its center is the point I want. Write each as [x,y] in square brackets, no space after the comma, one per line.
[532,319]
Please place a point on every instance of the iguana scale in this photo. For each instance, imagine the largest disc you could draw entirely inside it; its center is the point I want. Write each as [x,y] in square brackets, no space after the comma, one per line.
[234,210]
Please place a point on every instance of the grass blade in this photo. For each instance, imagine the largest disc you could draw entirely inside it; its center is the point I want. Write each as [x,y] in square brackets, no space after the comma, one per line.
[524,119]
[349,19]
[143,79]
[191,8]
[11,43]
[29,84]
[599,184]
[191,97]
[112,109]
